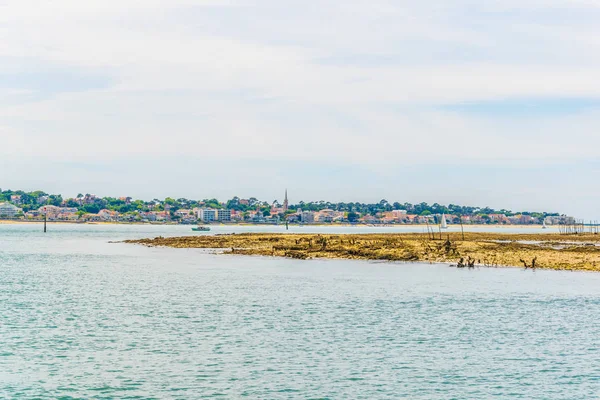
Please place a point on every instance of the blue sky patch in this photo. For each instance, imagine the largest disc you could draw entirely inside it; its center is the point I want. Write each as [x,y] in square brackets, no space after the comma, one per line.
[526,107]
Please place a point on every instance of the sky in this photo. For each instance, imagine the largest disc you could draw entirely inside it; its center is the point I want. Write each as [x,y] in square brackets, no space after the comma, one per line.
[472,102]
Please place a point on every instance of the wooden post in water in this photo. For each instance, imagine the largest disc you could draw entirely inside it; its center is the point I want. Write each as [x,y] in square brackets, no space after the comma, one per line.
[45,219]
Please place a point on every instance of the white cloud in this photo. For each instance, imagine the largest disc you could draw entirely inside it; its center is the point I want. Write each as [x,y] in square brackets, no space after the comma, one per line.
[351,83]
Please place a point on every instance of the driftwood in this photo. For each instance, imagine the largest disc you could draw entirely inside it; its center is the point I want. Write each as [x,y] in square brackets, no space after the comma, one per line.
[529,266]
[468,263]
[448,248]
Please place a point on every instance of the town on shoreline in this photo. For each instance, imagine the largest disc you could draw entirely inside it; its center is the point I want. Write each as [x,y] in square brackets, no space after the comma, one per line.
[38,205]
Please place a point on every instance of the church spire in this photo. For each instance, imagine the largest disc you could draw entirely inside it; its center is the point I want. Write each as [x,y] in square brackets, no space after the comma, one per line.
[285,202]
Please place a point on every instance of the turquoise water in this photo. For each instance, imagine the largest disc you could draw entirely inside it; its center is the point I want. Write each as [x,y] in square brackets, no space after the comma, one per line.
[84,318]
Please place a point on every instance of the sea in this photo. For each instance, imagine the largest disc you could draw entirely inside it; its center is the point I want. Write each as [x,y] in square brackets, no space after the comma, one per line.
[83,317]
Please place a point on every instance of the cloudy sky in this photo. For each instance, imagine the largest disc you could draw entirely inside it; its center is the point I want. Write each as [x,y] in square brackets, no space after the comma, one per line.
[478,102]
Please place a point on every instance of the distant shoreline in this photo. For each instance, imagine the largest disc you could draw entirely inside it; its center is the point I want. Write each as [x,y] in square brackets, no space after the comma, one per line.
[424,226]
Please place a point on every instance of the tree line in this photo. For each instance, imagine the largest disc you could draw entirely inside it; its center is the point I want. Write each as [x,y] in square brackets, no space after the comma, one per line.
[86,203]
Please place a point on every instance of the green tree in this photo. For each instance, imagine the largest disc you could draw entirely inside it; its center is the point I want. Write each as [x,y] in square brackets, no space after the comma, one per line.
[352,216]
[91,208]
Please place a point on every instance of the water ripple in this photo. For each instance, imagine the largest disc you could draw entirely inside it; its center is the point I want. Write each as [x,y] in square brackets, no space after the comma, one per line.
[81,318]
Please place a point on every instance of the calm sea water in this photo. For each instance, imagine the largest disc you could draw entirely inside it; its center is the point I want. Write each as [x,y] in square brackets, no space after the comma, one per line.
[84,318]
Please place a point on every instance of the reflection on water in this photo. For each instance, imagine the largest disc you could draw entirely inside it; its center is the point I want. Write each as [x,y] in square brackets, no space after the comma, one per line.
[84,318]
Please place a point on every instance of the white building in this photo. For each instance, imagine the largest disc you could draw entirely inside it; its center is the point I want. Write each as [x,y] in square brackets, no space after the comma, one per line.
[42,199]
[224,215]
[9,210]
[207,214]
[211,215]
[328,215]
[307,217]
[54,211]
[183,213]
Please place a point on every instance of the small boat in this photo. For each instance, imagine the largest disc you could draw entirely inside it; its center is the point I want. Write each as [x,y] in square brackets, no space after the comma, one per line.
[544,225]
[201,229]
[444,224]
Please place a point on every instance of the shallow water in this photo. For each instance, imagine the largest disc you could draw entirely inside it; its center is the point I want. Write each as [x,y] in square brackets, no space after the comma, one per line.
[84,318]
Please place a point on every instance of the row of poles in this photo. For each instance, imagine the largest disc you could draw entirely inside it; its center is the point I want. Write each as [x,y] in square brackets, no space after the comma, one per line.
[577,227]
